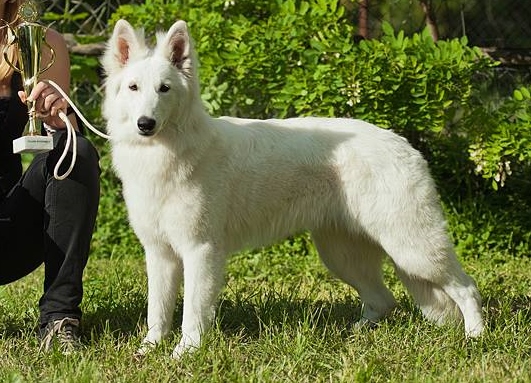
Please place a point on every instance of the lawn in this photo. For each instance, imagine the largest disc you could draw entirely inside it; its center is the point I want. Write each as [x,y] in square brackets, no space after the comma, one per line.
[282,318]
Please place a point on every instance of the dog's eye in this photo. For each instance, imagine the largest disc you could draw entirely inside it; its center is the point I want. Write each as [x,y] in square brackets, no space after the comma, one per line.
[164,88]
[133,87]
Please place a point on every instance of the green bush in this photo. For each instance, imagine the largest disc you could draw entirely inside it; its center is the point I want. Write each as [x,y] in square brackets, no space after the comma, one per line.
[502,138]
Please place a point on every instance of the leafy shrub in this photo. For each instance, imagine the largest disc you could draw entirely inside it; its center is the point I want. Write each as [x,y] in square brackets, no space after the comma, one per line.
[502,137]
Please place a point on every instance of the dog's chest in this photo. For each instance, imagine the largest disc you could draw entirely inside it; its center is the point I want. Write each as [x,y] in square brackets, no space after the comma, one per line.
[154,188]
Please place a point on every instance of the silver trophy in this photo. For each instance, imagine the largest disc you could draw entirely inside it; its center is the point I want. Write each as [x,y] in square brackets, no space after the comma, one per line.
[29,38]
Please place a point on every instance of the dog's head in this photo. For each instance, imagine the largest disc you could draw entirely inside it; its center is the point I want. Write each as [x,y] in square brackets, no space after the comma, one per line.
[147,90]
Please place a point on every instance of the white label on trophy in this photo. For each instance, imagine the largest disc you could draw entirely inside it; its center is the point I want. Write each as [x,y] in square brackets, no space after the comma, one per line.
[33,144]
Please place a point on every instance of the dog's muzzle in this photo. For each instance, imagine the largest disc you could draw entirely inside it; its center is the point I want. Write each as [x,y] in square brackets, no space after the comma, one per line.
[146,125]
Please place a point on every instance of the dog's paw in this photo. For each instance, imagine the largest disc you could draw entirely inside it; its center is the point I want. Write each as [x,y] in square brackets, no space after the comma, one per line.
[182,349]
[475,331]
[143,350]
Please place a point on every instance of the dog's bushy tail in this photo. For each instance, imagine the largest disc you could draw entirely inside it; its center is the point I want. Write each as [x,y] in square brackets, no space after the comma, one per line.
[433,301]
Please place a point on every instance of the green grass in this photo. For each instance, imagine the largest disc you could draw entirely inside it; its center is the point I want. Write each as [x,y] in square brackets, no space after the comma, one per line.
[281,318]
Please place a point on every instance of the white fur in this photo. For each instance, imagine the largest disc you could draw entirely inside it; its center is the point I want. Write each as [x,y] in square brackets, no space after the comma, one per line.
[199,188]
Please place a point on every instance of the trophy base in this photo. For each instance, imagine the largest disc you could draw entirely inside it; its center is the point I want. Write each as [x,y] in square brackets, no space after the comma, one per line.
[33,144]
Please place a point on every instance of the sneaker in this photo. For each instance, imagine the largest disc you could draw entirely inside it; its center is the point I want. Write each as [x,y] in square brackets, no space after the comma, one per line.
[62,333]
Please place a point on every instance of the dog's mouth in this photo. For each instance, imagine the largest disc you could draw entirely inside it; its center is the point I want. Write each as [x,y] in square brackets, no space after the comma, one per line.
[146,133]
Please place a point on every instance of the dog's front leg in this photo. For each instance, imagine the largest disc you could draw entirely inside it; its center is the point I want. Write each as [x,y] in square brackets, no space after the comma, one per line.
[164,271]
[203,278]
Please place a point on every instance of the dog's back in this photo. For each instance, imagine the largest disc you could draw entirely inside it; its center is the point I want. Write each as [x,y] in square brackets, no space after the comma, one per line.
[276,177]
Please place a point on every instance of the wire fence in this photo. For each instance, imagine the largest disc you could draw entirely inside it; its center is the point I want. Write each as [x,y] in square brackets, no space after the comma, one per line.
[486,23]
[81,17]
[503,24]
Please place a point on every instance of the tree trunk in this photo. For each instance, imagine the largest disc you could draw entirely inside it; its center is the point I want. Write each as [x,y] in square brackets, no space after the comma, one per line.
[363,17]
[431,21]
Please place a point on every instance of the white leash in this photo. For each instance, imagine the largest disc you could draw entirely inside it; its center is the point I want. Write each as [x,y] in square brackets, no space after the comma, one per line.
[70,131]
[71,134]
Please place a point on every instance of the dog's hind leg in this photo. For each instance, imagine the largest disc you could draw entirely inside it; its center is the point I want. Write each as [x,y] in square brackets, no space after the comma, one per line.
[164,271]
[203,279]
[358,262]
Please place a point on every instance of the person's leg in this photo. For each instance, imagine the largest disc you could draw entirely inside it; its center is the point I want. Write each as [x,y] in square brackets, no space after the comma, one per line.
[21,233]
[70,207]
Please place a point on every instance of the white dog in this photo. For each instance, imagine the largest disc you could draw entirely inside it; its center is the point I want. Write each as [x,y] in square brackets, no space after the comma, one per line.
[199,188]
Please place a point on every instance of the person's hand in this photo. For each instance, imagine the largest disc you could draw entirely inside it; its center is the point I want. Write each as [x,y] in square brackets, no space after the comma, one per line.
[48,101]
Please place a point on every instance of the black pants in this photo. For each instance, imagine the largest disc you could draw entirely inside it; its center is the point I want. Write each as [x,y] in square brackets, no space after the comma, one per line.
[46,220]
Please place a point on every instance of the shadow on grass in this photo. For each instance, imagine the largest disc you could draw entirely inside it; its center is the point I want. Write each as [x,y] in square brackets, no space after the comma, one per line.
[233,317]
[121,320]
[15,329]
[247,319]
[251,320]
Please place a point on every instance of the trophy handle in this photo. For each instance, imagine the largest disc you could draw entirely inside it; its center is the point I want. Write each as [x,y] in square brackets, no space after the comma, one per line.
[52,57]
[9,62]
[6,57]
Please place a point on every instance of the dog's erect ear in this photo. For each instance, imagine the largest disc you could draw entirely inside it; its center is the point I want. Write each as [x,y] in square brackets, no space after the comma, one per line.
[177,44]
[124,44]
[124,38]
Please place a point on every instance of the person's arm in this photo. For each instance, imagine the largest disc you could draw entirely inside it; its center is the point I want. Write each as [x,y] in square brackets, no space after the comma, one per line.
[48,100]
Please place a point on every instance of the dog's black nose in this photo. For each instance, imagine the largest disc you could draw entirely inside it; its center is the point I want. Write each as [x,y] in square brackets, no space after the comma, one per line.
[146,125]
